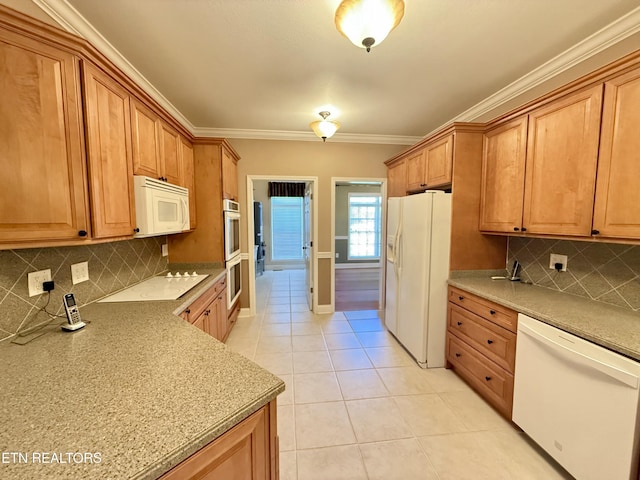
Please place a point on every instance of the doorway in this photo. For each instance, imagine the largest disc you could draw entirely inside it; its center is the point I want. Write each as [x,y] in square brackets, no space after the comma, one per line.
[289,234]
[358,228]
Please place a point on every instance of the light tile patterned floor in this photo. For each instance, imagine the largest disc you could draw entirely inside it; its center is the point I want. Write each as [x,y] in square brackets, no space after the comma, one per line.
[357,407]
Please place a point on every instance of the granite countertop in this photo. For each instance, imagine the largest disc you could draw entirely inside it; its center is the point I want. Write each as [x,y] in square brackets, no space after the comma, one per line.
[136,391]
[612,327]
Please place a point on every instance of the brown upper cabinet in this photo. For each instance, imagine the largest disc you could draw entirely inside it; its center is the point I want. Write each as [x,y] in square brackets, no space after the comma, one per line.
[109,154]
[503,159]
[397,179]
[43,176]
[156,146]
[430,166]
[559,170]
[229,174]
[616,212]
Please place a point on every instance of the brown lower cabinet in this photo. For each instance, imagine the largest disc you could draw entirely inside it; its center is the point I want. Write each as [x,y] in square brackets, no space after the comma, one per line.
[209,313]
[481,346]
[249,451]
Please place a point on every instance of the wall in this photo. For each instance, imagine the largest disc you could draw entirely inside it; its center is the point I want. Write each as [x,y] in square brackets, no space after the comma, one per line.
[311,159]
[342,220]
[605,272]
[112,266]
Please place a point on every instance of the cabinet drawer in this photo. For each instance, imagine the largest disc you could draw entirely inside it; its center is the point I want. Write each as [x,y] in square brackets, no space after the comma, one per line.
[491,340]
[503,316]
[220,285]
[200,304]
[492,382]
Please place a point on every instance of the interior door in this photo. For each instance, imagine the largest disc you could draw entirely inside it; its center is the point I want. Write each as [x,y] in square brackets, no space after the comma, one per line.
[308,244]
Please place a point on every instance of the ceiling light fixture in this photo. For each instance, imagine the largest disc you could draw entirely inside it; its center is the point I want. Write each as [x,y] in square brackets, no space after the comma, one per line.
[368,22]
[324,128]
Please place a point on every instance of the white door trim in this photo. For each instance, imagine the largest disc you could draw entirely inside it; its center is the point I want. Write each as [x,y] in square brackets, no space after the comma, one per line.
[383,235]
[250,232]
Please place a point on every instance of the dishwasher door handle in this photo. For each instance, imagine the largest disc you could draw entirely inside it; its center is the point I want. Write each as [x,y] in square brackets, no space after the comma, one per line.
[614,372]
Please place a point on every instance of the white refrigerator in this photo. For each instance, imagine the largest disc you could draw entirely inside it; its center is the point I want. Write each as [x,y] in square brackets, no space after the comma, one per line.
[417,246]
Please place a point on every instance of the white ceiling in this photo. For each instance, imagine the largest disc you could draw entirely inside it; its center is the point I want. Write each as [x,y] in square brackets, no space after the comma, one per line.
[271,65]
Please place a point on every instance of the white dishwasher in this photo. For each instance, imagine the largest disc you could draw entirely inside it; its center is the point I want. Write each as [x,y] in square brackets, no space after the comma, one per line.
[578,401]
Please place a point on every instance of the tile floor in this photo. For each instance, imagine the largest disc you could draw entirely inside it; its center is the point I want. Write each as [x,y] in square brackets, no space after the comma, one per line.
[357,407]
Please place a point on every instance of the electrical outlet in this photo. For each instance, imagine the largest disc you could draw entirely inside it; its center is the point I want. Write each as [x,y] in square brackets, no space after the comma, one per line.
[36,279]
[79,272]
[555,258]
[165,250]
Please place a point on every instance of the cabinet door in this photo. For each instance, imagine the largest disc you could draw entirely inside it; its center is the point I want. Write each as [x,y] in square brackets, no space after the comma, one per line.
[438,161]
[229,176]
[416,171]
[562,154]
[146,151]
[188,180]
[223,318]
[170,149]
[211,320]
[502,190]
[201,322]
[43,176]
[616,212]
[109,149]
[397,180]
[244,452]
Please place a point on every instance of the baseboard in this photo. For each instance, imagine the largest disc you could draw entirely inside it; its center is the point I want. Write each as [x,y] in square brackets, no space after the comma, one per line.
[340,266]
[245,312]
[283,267]
[324,309]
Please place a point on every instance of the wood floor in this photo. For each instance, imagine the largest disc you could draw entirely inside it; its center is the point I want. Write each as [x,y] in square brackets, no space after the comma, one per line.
[357,288]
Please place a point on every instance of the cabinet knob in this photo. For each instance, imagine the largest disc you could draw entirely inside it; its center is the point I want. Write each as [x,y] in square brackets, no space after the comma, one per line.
[460,297]
[459,323]
[487,378]
[82,233]
[423,184]
[458,354]
[136,230]
[595,232]
[492,312]
[207,312]
[489,342]
[187,311]
[516,229]
[524,229]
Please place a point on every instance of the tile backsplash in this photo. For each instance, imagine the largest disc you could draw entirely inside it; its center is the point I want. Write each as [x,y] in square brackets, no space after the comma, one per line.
[112,266]
[606,272]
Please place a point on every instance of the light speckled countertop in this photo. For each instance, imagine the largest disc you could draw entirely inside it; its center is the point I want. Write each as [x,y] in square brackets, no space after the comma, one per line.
[138,385]
[612,327]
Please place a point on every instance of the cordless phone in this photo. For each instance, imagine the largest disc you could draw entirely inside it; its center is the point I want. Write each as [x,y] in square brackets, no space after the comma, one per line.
[73,315]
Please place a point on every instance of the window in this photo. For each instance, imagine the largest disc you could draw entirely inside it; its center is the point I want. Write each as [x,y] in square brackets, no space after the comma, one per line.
[286,228]
[364,226]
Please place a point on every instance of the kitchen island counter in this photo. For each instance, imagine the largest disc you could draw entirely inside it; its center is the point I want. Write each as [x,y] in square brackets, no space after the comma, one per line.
[612,327]
[135,392]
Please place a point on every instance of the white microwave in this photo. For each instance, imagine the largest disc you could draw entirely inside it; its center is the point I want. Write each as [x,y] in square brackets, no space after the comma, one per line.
[161,208]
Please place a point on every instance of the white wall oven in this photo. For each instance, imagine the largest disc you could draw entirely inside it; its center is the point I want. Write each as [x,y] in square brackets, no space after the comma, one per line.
[231,229]
[234,282]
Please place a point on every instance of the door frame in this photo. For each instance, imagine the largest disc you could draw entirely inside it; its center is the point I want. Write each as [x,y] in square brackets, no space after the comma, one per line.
[383,235]
[250,233]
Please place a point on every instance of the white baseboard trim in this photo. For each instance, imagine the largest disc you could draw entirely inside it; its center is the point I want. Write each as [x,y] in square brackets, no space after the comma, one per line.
[284,267]
[324,309]
[340,266]
[245,312]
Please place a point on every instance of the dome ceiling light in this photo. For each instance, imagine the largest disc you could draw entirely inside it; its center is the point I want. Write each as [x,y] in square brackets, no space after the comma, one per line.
[324,128]
[368,22]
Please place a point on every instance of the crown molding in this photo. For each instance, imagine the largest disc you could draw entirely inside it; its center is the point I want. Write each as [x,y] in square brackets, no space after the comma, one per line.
[604,38]
[301,136]
[72,21]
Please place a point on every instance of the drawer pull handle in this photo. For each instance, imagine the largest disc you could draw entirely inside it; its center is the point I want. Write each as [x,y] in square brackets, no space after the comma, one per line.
[492,312]
[489,342]
[487,378]
[459,323]
[460,297]
[207,312]
[458,354]
[187,311]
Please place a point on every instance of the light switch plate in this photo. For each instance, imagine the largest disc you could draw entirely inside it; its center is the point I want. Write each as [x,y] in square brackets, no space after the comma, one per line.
[36,279]
[79,272]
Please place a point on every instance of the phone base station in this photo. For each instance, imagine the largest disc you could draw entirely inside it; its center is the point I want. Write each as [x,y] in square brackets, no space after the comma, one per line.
[71,327]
